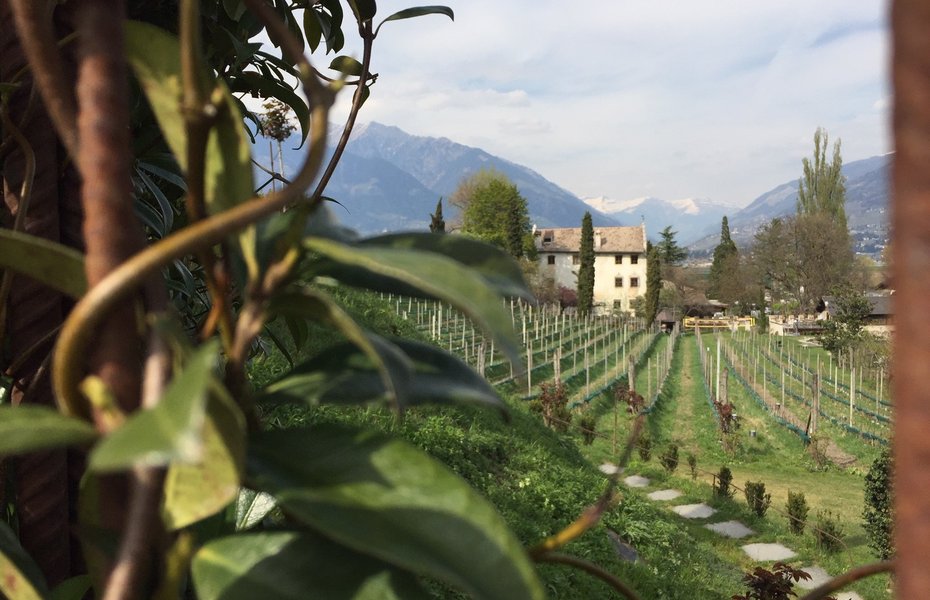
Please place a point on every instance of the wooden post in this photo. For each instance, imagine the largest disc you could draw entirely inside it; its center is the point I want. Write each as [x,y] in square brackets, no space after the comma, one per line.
[717,393]
[815,412]
[852,392]
[529,369]
[631,375]
[725,387]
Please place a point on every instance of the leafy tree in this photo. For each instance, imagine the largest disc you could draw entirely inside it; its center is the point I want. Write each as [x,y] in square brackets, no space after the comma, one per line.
[437,224]
[725,267]
[169,421]
[670,253]
[845,327]
[878,513]
[586,268]
[653,282]
[822,187]
[277,126]
[483,198]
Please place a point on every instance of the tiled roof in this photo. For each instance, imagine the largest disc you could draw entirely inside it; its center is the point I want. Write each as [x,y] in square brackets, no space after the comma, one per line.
[881,304]
[606,239]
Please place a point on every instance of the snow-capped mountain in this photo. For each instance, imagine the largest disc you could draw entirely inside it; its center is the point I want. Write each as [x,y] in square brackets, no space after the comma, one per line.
[690,217]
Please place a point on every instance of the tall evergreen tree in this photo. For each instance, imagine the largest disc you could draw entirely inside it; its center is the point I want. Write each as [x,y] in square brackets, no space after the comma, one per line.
[670,253]
[822,187]
[436,223]
[515,222]
[726,257]
[653,282]
[586,267]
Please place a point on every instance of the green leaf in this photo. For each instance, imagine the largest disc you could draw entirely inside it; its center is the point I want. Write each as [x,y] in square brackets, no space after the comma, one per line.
[252,507]
[393,367]
[343,374]
[492,263]
[418,11]
[419,274]
[312,29]
[195,491]
[28,428]
[234,8]
[71,589]
[171,431]
[384,497]
[57,266]
[291,565]
[20,577]
[155,57]
[364,9]
[347,65]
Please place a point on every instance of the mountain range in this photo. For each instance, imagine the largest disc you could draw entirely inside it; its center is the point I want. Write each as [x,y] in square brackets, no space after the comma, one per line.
[389,180]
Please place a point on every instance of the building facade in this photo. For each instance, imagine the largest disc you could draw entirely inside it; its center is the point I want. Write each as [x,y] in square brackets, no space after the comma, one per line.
[619,262]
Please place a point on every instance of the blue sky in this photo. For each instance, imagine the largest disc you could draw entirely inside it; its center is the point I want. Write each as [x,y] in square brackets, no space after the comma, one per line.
[702,98]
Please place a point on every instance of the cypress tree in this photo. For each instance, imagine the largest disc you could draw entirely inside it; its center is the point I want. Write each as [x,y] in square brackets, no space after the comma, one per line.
[437,224]
[586,268]
[723,262]
[653,282]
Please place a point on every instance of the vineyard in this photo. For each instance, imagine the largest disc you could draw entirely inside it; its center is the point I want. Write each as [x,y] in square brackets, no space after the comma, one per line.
[801,420]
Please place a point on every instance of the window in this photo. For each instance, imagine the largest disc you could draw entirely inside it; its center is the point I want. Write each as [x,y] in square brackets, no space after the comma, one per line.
[634,281]
[550,259]
[634,259]
[618,281]
[618,259]
[576,259]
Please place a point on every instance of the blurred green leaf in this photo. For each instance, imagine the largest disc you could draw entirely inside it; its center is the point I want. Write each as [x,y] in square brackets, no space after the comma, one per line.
[384,497]
[392,366]
[252,507]
[71,589]
[343,374]
[57,266]
[291,565]
[492,263]
[171,431]
[195,491]
[418,274]
[20,577]
[346,65]
[234,8]
[27,428]
[312,29]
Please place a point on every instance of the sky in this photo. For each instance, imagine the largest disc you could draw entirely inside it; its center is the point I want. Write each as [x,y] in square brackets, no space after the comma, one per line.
[714,99]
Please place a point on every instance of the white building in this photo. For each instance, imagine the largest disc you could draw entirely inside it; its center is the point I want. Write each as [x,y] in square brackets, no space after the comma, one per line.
[619,262]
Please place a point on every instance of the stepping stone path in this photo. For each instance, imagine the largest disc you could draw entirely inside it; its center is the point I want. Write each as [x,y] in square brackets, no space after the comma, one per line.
[636,481]
[694,511]
[768,552]
[664,495]
[609,469]
[730,529]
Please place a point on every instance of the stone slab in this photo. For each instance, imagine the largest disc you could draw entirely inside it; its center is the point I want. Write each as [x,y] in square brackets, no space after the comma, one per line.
[764,552]
[694,511]
[730,529]
[664,495]
[609,469]
[636,481]
[818,578]
[847,596]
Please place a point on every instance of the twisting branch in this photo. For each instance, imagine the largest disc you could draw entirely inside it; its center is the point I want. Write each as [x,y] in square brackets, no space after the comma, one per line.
[591,515]
[593,569]
[838,583]
[34,27]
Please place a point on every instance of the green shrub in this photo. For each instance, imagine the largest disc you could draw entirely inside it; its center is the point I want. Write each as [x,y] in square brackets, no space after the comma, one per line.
[877,513]
[692,465]
[644,446]
[756,497]
[669,458]
[827,531]
[722,483]
[588,433]
[797,512]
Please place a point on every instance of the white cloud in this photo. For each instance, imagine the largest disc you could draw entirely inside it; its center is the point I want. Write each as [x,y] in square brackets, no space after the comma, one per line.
[706,98]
